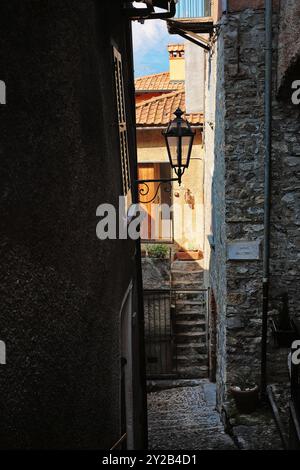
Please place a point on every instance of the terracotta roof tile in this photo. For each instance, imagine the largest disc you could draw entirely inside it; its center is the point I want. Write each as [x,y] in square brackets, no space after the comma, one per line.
[159,111]
[157,82]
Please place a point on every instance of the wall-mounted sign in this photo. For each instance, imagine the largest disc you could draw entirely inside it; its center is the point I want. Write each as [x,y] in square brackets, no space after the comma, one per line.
[243,250]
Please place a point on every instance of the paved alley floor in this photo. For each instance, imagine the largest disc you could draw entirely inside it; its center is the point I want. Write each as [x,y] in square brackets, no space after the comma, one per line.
[185,418]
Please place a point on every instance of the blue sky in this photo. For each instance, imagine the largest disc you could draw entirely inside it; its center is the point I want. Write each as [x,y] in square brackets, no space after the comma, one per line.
[150,42]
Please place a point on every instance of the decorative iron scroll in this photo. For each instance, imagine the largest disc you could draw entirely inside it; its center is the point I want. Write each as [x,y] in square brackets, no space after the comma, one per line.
[144,190]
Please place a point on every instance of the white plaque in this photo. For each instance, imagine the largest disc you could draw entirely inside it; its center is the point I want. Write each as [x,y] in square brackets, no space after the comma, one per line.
[243,250]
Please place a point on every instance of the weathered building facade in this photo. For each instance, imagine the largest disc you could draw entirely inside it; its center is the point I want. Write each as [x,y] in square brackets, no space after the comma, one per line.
[69,309]
[158,97]
[175,302]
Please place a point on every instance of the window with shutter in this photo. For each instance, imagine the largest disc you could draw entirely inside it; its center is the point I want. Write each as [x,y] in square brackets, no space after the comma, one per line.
[124,154]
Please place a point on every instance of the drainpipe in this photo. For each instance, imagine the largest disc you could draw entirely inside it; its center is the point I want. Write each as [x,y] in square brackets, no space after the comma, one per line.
[225,7]
[267,183]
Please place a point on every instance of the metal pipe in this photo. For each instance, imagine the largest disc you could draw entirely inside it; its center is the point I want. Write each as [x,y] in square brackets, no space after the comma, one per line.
[119,442]
[225,6]
[267,190]
[188,37]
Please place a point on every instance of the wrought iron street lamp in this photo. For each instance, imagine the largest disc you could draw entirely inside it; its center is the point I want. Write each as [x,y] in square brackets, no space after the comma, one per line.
[179,140]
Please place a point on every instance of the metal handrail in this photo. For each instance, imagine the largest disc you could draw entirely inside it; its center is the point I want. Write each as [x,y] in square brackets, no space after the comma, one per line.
[119,442]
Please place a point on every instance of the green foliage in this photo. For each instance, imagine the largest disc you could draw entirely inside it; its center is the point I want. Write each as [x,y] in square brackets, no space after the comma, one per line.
[158,251]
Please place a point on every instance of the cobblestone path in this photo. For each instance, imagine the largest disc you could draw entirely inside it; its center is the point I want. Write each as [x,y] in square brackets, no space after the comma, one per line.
[185,418]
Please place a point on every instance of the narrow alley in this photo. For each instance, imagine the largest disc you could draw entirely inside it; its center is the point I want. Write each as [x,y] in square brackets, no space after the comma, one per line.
[150,228]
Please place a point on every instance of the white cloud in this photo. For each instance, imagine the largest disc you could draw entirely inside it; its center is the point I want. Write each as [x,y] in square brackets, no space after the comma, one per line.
[150,42]
[149,35]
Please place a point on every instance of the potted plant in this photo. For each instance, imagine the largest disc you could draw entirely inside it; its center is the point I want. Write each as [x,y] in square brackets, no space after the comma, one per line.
[283,331]
[158,251]
[192,253]
[246,396]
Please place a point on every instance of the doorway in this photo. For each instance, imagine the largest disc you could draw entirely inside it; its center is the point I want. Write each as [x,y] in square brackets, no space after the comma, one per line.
[156,200]
[127,409]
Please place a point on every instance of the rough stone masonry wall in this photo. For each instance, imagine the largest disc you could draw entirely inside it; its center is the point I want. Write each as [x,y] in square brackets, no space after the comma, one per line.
[217,170]
[244,85]
[238,212]
[240,143]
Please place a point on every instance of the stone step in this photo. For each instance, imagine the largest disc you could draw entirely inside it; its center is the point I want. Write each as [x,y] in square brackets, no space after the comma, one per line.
[177,275]
[190,326]
[190,348]
[193,371]
[189,281]
[190,318]
[187,363]
[190,323]
[190,329]
[190,302]
[187,285]
[193,334]
[192,309]
[190,315]
[200,359]
[187,266]
[186,314]
[191,337]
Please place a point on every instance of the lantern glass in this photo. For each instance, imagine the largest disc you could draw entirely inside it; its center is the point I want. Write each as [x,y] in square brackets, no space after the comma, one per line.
[172,144]
[186,145]
[179,139]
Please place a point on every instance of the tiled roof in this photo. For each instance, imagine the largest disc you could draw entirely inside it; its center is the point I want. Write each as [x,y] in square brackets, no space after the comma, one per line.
[157,82]
[176,47]
[159,111]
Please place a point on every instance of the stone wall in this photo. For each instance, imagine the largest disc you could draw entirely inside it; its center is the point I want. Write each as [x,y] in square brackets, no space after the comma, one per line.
[243,154]
[238,198]
[156,273]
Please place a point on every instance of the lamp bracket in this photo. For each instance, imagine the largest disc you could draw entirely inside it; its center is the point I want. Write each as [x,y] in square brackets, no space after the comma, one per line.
[145,189]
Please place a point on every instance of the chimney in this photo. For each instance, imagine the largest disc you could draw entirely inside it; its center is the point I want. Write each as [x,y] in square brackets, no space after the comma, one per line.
[177,65]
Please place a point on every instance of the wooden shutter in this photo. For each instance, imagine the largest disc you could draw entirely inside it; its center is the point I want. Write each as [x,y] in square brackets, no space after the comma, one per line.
[124,154]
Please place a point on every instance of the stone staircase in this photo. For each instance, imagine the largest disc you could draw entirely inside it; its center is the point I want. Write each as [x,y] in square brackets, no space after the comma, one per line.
[191,351]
